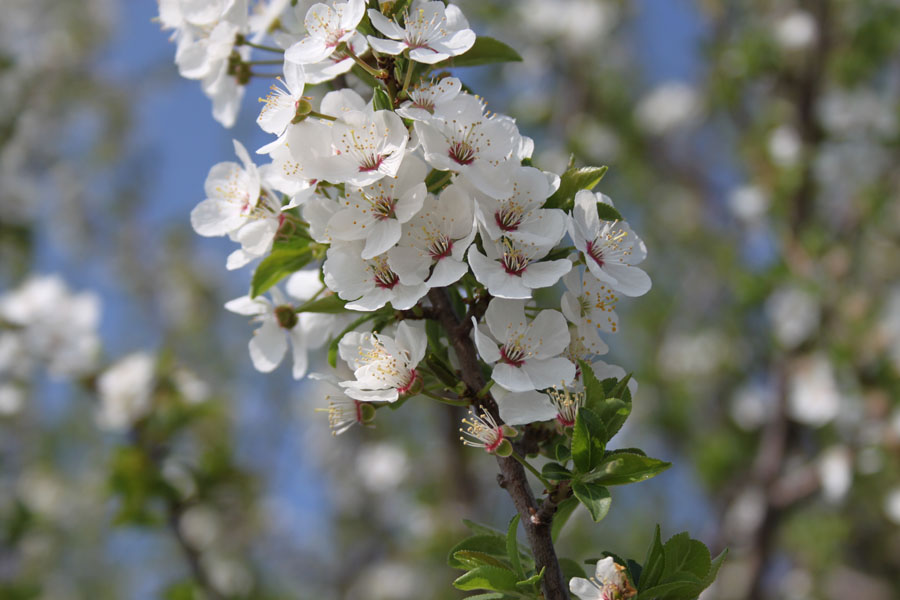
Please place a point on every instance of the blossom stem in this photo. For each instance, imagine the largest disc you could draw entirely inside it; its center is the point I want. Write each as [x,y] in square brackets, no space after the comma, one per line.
[487,388]
[241,41]
[376,73]
[407,78]
[440,182]
[314,113]
[534,471]
[444,399]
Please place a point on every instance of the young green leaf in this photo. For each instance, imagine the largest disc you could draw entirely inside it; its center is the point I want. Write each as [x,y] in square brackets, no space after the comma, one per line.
[471,559]
[486,50]
[654,563]
[571,182]
[512,547]
[588,441]
[331,304]
[563,512]
[608,213]
[380,99]
[490,545]
[487,578]
[595,498]
[622,468]
[555,472]
[281,262]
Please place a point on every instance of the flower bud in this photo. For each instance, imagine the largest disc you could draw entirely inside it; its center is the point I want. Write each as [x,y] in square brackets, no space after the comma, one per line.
[304,107]
[286,316]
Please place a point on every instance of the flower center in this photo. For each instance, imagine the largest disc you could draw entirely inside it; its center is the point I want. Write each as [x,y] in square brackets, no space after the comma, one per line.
[440,247]
[462,153]
[286,316]
[383,207]
[408,385]
[512,355]
[371,162]
[595,251]
[384,277]
[514,260]
[509,217]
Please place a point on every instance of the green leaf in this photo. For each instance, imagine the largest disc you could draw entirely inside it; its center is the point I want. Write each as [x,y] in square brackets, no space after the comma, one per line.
[331,304]
[487,596]
[555,472]
[612,412]
[512,547]
[624,467]
[282,261]
[608,213]
[571,568]
[381,100]
[654,563]
[619,390]
[563,453]
[491,545]
[397,7]
[482,529]
[487,578]
[714,568]
[563,512]
[532,583]
[470,559]
[486,50]
[588,440]
[595,498]
[684,554]
[573,181]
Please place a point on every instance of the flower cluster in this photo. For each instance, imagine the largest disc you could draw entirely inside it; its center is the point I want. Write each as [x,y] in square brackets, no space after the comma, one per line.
[416,188]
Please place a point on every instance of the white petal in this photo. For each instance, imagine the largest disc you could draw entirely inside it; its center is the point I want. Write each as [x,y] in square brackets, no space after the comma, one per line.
[381,237]
[412,338]
[522,408]
[214,217]
[630,281]
[386,46]
[504,317]
[308,51]
[549,372]
[267,346]
[385,25]
[511,378]
[487,348]
[547,273]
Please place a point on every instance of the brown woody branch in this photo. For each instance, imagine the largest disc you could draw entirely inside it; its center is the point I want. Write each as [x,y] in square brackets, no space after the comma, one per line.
[535,518]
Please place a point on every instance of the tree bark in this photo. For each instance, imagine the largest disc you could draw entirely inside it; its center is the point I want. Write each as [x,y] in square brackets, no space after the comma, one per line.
[512,476]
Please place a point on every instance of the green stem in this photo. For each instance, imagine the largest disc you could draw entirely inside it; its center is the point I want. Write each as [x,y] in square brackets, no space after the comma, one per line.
[407,78]
[261,47]
[487,388]
[533,470]
[440,398]
[379,74]
[313,113]
[440,183]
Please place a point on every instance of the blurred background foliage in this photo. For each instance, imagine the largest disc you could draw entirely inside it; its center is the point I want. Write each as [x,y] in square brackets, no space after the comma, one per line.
[751,143]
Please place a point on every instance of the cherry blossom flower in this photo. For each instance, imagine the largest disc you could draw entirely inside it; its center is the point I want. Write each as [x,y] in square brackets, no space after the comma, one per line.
[526,353]
[608,583]
[463,139]
[435,241]
[50,324]
[279,322]
[125,391]
[512,269]
[327,26]
[432,32]
[375,212]
[483,431]
[343,411]
[521,408]
[425,98]
[611,248]
[369,284]
[280,105]
[519,215]
[384,367]
[589,305]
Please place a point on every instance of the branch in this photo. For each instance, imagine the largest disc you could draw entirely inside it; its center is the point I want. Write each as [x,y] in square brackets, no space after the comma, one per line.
[512,476]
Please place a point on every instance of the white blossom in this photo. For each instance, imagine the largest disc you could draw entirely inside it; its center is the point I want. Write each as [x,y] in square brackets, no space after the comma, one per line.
[608,583]
[611,248]
[327,26]
[278,324]
[435,241]
[369,284]
[431,32]
[589,305]
[426,97]
[513,269]
[125,391]
[525,354]
[376,212]
[384,367]
[461,138]
[280,105]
